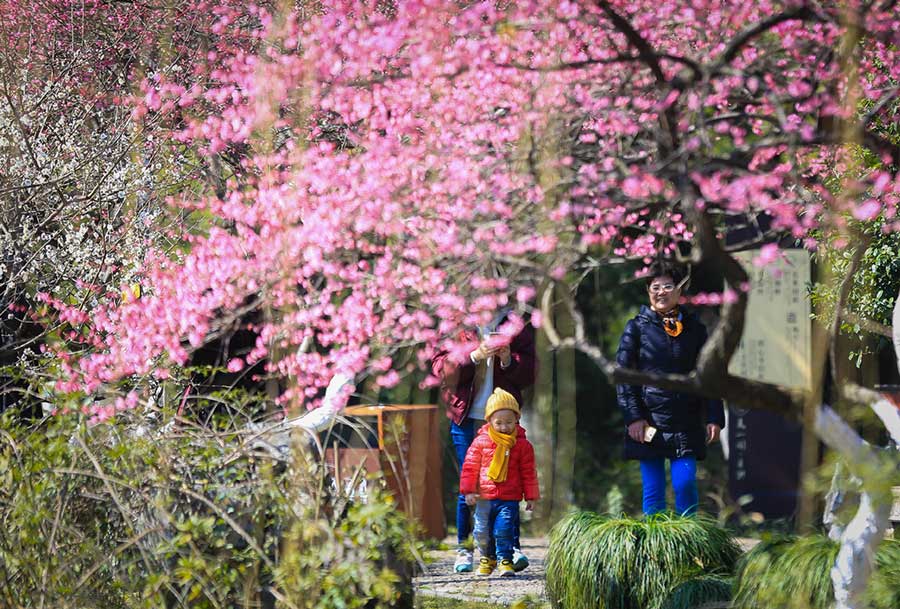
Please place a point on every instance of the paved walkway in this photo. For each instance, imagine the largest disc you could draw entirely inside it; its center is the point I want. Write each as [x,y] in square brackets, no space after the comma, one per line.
[440,580]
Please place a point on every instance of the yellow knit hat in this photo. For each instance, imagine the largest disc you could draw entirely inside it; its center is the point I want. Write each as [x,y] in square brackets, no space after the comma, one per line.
[501,400]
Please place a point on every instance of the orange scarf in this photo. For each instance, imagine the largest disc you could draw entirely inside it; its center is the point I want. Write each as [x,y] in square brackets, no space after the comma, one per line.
[500,462]
[672,322]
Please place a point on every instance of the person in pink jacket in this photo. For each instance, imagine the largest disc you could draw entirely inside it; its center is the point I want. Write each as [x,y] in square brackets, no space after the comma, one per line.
[497,474]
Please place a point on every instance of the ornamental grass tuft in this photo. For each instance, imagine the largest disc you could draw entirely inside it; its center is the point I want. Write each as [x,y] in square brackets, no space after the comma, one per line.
[795,573]
[596,562]
[701,592]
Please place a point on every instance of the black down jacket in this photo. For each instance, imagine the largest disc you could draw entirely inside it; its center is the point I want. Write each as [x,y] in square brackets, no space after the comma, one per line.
[680,418]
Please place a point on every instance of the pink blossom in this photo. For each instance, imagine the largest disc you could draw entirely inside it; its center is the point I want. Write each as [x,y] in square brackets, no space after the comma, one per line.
[768,254]
[867,210]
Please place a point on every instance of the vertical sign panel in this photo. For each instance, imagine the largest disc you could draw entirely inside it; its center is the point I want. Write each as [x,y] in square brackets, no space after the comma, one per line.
[764,449]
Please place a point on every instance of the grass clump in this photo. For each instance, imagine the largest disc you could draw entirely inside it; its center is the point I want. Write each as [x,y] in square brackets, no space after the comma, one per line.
[795,573]
[700,592]
[598,562]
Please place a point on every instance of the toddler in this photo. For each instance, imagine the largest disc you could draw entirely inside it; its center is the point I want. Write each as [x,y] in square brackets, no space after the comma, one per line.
[497,474]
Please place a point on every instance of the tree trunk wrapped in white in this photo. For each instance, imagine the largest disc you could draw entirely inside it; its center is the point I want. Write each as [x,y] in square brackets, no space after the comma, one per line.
[860,538]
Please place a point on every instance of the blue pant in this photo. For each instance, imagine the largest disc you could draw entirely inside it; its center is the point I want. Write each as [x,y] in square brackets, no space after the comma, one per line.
[684,483]
[462,436]
[496,521]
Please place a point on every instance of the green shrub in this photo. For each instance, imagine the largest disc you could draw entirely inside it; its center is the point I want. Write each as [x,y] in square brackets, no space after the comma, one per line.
[138,512]
[795,573]
[622,563]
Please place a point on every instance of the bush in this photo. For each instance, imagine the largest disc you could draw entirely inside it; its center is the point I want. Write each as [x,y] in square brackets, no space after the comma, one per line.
[141,513]
[795,573]
[622,563]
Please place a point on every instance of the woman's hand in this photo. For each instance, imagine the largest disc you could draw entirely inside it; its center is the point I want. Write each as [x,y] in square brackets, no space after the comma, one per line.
[712,432]
[471,498]
[485,350]
[636,430]
[480,354]
[505,355]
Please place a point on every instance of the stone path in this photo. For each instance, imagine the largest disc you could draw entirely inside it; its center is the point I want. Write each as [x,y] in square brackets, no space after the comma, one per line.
[440,580]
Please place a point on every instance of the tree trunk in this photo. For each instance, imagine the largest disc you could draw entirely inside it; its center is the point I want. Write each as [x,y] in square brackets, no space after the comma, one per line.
[552,422]
[855,560]
[538,422]
[864,532]
[566,436]
[861,537]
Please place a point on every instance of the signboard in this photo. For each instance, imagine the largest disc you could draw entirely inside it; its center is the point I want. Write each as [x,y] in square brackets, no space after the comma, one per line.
[764,449]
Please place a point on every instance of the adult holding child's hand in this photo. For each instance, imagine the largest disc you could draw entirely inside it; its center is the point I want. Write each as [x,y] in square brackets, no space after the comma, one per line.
[666,338]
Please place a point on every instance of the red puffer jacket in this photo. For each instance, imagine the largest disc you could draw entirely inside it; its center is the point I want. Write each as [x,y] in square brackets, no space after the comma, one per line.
[521,478]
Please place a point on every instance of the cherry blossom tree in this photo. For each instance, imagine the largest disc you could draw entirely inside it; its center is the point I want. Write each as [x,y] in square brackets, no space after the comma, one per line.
[377,175]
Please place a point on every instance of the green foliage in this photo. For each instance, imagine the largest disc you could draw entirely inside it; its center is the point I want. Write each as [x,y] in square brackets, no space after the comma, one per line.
[622,563]
[874,287]
[884,588]
[358,563]
[697,592]
[150,511]
[794,573]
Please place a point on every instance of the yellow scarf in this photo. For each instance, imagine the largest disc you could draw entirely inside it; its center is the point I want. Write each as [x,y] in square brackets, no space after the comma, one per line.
[500,461]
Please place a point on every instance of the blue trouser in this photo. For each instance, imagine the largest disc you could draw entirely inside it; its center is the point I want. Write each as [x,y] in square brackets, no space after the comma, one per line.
[684,483]
[495,527]
[462,436]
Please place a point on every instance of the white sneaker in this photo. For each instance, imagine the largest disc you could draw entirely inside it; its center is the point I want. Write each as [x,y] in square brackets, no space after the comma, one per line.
[463,563]
[519,560]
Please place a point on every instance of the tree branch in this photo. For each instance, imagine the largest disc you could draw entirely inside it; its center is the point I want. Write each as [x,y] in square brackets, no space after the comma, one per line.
[738,43]
[867,324]
[715,357]
[844,293]
[651,59]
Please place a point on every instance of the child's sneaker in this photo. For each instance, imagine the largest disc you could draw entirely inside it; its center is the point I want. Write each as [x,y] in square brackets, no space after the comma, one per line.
[519,560]
[463,563]
[486,566]
[506,568]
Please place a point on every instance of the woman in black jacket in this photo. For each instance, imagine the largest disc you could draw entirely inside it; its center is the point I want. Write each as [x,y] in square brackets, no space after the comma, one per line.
[665,338]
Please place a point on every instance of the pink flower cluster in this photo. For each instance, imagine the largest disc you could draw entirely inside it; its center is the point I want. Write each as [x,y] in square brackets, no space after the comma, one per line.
[384,161]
